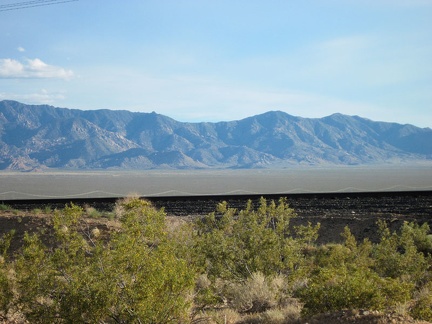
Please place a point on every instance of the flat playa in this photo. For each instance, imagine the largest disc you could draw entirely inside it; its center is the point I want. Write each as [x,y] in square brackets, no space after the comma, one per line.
[157,183]
[205,188]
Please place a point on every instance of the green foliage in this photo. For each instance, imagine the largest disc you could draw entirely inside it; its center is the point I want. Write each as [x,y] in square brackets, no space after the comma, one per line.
[6,293]
[92,212]
[47,209]
[149,270]
[6,289]
[420,235]
[422,308]
[237,244]
[35,279]
[256,294]
[4,207]
[135,277]
[350,254]
[307,234]
[155,284]
[332,289]
[5,242]
[36,211]
[206,293]
[396,256]
[344,277]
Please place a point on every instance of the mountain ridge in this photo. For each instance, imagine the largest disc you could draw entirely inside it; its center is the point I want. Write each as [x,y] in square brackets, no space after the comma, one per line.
[42,136]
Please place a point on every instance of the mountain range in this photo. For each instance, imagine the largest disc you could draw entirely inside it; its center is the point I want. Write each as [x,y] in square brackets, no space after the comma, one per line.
[34,137]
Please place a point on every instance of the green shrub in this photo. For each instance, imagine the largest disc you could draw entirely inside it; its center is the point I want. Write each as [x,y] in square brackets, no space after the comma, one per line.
[4,207]
[5,242]
[397,256]
[344,278]
[337,289]
[237,244]
[422,307]
[249,260]
[6,291]
[135,277]
[92,212]
[420,235]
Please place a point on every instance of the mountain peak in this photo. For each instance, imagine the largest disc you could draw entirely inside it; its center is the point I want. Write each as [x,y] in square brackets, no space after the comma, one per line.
[47,137]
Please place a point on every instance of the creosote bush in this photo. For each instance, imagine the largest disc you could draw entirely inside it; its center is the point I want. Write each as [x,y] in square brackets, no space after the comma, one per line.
[232,266]
[233,244]
[134,277]
[364,276]
[422,308]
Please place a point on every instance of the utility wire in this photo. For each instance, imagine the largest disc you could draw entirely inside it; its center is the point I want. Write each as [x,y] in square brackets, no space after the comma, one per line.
[25,3]
[31,4]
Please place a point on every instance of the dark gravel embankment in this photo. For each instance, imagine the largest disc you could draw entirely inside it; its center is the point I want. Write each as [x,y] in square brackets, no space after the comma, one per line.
[359,211]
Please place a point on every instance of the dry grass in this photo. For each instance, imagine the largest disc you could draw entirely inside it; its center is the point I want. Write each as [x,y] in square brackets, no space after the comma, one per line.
[257,294]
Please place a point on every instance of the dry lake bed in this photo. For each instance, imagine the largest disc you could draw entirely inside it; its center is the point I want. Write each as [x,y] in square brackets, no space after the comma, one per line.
[156,183]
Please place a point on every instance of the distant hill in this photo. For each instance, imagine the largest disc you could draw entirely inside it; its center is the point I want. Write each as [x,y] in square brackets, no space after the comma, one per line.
[41,136]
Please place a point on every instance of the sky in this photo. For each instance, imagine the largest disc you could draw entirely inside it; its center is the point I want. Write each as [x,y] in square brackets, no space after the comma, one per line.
[207,60]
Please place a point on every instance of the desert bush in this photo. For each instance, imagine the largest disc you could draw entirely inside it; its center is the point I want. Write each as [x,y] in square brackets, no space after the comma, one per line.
[207,293]
[256,294]
[6,288]
[344,278]
[289,313]
[134,277]
[420,234]
[397,256]
[422,306]
[110,215]
[278,315]
[92,212]
[4,207]
[6,292]
[36,211]
[238,243]
[350,254]
[245,266]
[5,242]
[337,289]
[218,316]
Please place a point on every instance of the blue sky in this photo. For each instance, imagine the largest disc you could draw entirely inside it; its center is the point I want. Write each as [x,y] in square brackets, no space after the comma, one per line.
[207,60]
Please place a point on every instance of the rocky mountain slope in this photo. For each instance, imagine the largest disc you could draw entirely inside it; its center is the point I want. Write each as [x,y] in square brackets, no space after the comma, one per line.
[42,136]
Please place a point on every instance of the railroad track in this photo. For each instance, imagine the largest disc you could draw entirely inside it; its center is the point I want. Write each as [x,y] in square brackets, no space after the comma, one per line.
[405,202]
[359,211]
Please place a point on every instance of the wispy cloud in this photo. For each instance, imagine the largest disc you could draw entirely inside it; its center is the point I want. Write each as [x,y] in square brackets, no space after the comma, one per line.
[43,96]
[31,68]
[21,49]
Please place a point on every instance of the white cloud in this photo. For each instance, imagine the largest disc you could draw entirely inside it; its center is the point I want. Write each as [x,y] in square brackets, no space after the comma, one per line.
[43,96]
[21,49]
[31,68]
